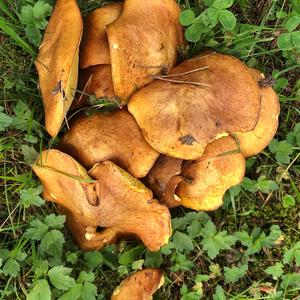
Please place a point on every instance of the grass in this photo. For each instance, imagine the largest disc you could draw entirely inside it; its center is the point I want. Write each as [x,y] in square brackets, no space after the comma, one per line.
[271,197]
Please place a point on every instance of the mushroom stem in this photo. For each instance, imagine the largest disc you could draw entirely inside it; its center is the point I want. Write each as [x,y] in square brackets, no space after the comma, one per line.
[169,197]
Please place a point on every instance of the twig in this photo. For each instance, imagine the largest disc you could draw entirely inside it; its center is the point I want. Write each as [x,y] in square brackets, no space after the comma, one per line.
[180,74]
[184,82]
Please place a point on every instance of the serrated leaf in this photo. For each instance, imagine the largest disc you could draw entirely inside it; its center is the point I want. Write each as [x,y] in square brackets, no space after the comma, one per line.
[267,186]
[40,291]
[55,221]
[244,238]
[11,268]
[37,230]
[275,233]
[85,277]
[59,277]
[29,153]
[73,293]
[4,254]
[5,120]
[276,271]
[93,259]
[235,273]
[194,230]
[219,294]
[89,291]
[182,241]
[52,243]
[41,9]
[31,197]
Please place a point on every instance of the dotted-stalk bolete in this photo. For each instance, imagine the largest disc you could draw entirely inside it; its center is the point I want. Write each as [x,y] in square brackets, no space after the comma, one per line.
[106,197]
[201,100]
[141,285]
[255,141]
[94,49]
[143,42]
[114,137]
[198,184]
[94,82]
[57,62]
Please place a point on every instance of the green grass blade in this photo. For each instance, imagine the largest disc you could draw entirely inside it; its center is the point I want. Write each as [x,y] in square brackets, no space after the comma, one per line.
[13,34]
[5,9]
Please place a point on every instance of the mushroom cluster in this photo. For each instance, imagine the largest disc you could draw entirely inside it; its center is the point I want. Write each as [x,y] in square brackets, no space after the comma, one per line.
[179,136]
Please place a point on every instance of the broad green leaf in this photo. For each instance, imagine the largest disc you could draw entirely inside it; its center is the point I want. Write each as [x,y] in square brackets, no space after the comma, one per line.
[193,33]
[59,277]
[274,235]
[52,243]
[130,256]
[30,155]
[182,241]
[181,263]
[31,197]
[89,291]
[282,151]
[187,17]
[93,259]
[85,277]
[292,23]
[11,268]
[4,254]
[194,230]
[227,19]
[73,293]
[153,259]
[284,41]
[213,16]
[55,221]
[5,120]
[266,186]
[235,273]
[219,294]
[37,230]
[137,265]
[292,279]
[276,271]
[288,201]
[296,39]
[40,291]
[222,4]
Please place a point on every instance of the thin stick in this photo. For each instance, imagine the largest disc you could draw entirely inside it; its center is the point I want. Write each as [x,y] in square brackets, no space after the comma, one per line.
[181,74]
[184,82]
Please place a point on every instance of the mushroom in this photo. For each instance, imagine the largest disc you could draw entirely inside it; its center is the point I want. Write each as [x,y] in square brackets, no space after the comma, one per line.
[94,81]
[198,184]
[203,99]
[106,197]
[57,62]
[94,49]
[253,142]
[143,46]
[163,179]
[141,285]
[114,137]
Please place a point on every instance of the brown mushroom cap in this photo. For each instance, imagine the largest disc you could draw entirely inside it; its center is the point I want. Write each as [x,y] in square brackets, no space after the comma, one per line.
[141,285]
[114,137]
[179,120]
[143,42]
[253,142]
[94,49]
[96,81]
[206,180]
[57,62]
[114,200]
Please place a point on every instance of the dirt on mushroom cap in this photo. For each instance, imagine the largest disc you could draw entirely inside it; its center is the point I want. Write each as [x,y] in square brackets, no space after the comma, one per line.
[180,119]
[253,142]
[94,48]
[141,285]
[57,62]
[114,137]
[142,46]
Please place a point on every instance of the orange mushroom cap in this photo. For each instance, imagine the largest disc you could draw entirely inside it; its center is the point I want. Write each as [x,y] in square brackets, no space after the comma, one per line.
[255,141]
[143,42]
[114,137]
[206,180]
[57,62]
[107,197]
[141,285]
[180,119]
[94,49]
